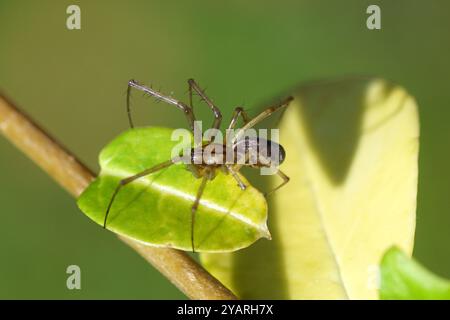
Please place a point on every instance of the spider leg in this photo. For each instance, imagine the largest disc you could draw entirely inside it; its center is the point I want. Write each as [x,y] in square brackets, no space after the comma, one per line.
[130,179]
[180,105]
[285,180]
[236,113]
[263,115]
[195,206]
[217,115]
[236,176]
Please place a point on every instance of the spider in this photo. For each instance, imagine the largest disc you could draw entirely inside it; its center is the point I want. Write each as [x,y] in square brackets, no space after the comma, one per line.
[205,168]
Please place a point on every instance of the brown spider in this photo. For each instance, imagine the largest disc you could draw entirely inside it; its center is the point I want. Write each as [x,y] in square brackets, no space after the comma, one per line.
[206,167]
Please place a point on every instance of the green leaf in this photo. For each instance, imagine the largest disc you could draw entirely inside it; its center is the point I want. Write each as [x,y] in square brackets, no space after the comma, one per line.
[404,278]
[156,209]
[351,153]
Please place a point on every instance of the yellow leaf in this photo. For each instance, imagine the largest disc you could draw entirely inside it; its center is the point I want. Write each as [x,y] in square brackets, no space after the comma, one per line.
[352,150]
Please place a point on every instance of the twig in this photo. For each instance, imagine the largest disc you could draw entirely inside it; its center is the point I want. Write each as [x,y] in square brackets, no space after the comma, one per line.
[62,166]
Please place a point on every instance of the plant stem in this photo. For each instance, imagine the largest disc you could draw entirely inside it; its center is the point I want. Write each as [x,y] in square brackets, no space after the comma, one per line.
[186,274]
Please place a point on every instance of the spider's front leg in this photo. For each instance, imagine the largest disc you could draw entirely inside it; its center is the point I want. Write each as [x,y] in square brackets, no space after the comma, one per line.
[217,114]
[180,105]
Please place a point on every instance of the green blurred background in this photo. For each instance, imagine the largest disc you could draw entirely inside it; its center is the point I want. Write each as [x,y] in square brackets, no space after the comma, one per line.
[73,83]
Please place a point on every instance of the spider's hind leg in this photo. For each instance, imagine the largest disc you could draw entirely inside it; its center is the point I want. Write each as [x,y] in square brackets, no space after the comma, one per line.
[285,181]
[263,115]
